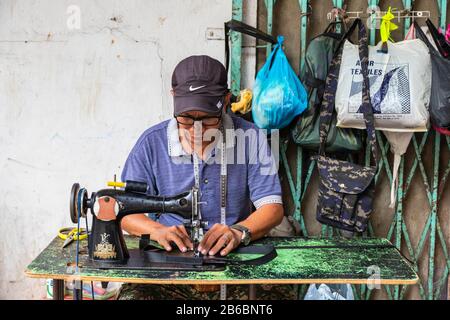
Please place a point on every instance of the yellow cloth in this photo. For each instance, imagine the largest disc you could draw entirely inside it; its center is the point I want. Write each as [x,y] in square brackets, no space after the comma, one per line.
[244,104]
[387,26]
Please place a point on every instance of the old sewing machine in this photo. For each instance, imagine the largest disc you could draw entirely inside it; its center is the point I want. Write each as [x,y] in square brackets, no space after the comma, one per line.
[106,245]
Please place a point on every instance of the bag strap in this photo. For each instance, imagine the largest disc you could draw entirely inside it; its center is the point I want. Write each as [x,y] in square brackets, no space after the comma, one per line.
[241,27]
[331,88]
[267,253]
[330,29]
[312,81]
[421,35]
[439,39]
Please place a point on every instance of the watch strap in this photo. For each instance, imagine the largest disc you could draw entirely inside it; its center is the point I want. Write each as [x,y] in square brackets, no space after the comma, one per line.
[246,234]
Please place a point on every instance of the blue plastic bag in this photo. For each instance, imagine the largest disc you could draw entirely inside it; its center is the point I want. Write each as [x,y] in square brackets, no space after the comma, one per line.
[278,94]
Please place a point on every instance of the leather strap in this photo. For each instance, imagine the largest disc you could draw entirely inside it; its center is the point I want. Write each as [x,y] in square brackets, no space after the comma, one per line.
[268,254]
[245,29]
[157,255]
[329,96]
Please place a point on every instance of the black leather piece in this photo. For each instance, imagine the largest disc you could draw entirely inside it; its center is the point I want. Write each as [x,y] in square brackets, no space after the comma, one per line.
[138,261]
[268,251]
[156,255]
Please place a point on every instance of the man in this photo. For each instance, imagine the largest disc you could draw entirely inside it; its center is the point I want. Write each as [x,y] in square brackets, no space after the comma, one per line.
[173,156]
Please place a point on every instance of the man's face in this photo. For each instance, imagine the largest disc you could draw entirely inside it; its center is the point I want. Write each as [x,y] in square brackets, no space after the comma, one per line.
[194,124]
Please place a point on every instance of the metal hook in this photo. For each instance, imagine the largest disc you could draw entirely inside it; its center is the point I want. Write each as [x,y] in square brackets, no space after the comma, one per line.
[337,13]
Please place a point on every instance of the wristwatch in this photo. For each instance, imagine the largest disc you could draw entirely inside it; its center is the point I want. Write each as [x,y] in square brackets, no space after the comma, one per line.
[246,234]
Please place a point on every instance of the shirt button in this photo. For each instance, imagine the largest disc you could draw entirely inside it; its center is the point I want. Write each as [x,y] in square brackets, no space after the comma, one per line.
[205,181]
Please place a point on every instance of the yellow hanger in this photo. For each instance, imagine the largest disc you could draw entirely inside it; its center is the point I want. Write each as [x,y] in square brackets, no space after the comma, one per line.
[387,26]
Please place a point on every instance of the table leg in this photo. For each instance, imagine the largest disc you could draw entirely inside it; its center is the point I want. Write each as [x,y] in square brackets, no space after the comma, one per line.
[251,292]
[58,289]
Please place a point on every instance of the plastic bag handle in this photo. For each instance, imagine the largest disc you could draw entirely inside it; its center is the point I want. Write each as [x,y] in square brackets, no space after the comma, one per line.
[421,35]
[439,39]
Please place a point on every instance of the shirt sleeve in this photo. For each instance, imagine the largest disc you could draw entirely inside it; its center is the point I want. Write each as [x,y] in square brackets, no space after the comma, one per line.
[263,181]
[138,167]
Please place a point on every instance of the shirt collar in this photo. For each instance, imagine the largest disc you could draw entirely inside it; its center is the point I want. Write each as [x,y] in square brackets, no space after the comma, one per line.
[174,147]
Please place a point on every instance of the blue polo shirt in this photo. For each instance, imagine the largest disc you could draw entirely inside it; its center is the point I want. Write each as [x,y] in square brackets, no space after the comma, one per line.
[159,160]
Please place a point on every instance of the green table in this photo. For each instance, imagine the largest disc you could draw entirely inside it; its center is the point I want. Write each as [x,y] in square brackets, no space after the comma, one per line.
[299,261]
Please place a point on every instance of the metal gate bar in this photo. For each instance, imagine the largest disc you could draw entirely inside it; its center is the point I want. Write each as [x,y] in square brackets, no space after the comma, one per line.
[434,188]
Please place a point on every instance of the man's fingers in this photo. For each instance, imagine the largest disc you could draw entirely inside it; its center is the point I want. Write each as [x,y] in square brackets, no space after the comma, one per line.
[224,240]
[206,247]
[165,244]
[183,229]
[213,229]
[185,236]
[228,248]
[186,240]
[175,238]
[204,240]
[206,236]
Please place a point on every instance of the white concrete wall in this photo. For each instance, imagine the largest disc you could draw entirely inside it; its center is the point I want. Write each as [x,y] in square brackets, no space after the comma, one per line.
[74,101]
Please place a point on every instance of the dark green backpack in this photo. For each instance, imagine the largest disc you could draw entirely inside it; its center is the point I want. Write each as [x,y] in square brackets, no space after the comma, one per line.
[305,132]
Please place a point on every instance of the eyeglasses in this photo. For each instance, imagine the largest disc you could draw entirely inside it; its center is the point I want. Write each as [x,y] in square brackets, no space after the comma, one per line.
[206,121]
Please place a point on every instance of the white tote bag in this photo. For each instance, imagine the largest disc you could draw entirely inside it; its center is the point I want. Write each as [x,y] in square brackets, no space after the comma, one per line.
[400,83]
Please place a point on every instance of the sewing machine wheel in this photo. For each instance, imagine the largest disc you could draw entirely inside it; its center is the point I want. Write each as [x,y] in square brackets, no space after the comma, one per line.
[74,194]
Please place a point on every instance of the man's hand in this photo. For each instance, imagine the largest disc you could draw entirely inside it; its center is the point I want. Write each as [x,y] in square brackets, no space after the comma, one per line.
[177,234]
[220,238]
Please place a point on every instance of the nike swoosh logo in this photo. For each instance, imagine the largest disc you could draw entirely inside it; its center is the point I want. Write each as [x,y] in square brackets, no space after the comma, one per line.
[196,88]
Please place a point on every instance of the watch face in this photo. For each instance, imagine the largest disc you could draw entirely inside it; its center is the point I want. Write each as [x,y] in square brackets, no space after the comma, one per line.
[246,238]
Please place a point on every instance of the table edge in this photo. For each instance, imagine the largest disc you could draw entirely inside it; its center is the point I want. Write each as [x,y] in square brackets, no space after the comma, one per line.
[215,282]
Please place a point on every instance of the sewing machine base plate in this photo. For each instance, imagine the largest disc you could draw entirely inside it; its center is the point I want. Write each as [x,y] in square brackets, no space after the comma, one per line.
[138,260]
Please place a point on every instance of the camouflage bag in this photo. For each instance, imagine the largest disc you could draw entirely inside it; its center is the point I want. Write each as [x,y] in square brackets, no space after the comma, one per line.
[305,132]
[346,189]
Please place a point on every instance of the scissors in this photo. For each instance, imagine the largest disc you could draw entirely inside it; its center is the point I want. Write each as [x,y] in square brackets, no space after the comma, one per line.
[70,234]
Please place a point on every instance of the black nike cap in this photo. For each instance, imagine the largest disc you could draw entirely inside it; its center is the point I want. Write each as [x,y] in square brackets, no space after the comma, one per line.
[199,83]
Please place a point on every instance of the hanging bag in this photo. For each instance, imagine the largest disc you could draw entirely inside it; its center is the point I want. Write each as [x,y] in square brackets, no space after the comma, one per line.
[400,82]
[399,142]
[278,95]
[346,189]
[305,132]
[440,87]
[442,45]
